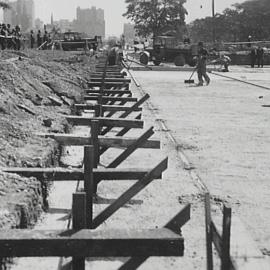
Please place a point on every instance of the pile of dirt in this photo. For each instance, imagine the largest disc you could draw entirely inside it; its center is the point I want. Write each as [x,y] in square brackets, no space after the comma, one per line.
[35,95]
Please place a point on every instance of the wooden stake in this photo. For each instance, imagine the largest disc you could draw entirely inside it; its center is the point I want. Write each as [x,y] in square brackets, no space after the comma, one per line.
[208,231]
[89,183]
[226,234]
[78,223]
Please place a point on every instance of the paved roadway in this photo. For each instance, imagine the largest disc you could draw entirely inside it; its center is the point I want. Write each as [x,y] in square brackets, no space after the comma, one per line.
[224,131]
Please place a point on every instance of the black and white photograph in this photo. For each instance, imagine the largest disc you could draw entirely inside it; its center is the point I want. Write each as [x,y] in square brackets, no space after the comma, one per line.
[134,134]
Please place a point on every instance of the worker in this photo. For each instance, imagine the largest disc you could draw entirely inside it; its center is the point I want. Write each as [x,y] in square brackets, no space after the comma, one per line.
[18,37]
[253,57]
[3,40]
[260,56]
[201,65]
[39,39]
[112,56]
[249,41]
[45,39]
[222,60]
[32,39]
[9,34]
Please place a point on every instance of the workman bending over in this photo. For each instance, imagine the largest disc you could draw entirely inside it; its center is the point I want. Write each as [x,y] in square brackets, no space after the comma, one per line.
[201,65]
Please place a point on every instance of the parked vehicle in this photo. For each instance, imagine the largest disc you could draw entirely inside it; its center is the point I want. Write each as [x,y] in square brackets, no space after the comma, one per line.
[73,41]
[168,49]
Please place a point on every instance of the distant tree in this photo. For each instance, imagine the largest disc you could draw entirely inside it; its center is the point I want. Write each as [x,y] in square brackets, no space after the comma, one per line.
[4,5]
[154,17]
[236,24]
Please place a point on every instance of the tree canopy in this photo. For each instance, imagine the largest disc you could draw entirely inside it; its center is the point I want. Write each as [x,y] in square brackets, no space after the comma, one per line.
[4,5]
[155,17]
[251,17]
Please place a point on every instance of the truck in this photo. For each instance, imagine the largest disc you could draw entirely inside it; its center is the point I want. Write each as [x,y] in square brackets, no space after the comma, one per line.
[73,41]
[169,49]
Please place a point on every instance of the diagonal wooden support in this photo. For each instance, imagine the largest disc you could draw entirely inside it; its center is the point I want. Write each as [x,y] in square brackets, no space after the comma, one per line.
[104,121]
[121,133]
[127,113]
[122,103]
[127,152]
[130,193]
[174,225]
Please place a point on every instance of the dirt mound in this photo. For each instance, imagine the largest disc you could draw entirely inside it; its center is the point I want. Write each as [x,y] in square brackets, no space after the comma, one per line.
[31,83]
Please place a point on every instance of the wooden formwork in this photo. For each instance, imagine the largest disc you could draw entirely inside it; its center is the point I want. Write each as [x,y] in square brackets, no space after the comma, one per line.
[81,241]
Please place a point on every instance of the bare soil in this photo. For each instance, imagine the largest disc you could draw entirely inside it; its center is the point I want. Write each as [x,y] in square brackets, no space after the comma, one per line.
[27,79]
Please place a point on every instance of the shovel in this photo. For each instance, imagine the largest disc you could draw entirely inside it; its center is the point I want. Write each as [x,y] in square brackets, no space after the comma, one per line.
[189,80]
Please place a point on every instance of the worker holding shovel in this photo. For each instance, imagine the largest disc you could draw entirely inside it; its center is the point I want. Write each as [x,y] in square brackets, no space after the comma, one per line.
[201,65]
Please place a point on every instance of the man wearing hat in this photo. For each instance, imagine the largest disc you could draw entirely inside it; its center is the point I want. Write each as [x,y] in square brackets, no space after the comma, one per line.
[201,65]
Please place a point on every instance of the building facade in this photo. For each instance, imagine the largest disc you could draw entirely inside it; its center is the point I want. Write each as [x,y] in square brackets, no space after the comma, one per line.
[22,12]
[90,21]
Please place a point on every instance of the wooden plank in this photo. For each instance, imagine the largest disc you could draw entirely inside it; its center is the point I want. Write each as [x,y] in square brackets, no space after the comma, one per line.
[118,80]
[108,74]
[103,121]
[106,108]
[127,113]
[95,142]
[89,184]
[226,235]
[174,225]
[55,101]
[130,193]
[108,92]
[107,141]
[179,220]
[65,174]
[130,149]
[109,98]
[87,243]
[78,223]
[122,132]
[108,84]
[208,232]
[216,237]
[122,103]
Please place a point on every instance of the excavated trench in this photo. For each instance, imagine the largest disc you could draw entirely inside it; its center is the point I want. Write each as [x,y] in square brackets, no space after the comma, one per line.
[36,92]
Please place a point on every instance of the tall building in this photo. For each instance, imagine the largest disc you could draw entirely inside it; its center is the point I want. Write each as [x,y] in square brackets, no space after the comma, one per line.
[90,21]
[22,12]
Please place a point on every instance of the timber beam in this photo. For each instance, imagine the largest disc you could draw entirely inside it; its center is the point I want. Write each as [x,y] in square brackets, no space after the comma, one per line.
[104,141]
[74,174]
[103,121]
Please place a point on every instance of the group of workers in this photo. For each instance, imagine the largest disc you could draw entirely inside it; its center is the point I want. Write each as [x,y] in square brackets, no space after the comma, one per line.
[10,37]
[42,40]
[256,55]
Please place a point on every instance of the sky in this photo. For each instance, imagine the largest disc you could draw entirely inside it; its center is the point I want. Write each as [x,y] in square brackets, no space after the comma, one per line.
[66,9]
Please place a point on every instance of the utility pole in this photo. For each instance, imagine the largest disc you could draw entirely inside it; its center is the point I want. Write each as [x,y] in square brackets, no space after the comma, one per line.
[213,15]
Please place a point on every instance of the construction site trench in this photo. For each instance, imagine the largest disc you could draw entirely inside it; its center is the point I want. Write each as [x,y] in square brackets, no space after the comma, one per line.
[54,103]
